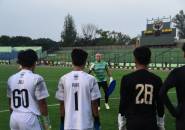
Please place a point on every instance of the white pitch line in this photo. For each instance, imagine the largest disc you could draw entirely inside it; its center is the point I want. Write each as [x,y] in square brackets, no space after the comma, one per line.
[53,105]
[4,111]
[171,92]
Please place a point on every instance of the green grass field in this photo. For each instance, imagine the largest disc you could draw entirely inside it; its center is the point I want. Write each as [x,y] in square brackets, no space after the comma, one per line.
[51,76]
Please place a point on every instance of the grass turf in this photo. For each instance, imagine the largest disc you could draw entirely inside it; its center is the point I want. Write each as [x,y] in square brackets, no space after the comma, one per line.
[51,76]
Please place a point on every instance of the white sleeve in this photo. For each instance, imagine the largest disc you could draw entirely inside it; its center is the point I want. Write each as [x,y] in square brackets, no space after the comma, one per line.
[95,92]
[60,92]
[8,89]
[41,91]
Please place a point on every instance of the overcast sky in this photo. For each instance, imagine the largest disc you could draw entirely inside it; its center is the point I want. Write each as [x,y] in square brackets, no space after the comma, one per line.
[45,18]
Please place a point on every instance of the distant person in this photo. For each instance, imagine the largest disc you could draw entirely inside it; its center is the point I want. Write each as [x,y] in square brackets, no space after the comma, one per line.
[139,96]
[176,79]
[100,69]
[27,95]
[78,93]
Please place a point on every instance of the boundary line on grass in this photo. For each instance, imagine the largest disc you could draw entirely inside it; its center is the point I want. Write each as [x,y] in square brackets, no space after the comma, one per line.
[53,105]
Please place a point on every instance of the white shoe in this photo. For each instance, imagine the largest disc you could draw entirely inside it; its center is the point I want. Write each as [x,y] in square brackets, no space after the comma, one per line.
[99,108]
[107,106]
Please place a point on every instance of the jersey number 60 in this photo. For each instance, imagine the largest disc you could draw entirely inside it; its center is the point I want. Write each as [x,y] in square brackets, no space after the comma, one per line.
[20,98]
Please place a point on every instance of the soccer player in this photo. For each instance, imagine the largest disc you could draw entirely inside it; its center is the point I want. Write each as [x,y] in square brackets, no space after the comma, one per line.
[176,79]
[78,93]
[100,68]
[139,96]
[27,95]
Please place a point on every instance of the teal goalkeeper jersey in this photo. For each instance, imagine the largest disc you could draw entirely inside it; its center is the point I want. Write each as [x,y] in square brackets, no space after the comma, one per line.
[99,69]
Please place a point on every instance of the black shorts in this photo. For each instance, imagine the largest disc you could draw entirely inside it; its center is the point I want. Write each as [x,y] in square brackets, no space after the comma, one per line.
[103,84]
[141,124]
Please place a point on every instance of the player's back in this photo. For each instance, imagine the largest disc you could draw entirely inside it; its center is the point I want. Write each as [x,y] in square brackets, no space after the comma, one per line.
[177,79]
[141,92]
[78,87]
[24,91]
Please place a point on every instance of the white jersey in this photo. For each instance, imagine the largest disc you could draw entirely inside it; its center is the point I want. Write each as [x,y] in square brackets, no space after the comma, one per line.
[77,89]
[25,90]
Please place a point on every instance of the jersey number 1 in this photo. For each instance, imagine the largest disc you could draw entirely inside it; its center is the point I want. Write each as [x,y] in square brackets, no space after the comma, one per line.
[147,92]
[76,101]
[20,98]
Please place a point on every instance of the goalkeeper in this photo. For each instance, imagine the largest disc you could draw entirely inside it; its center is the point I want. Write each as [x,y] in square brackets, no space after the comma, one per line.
[140,105]
[100,69]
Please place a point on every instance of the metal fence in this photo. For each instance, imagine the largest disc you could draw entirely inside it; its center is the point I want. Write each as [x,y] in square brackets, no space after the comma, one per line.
[123,57]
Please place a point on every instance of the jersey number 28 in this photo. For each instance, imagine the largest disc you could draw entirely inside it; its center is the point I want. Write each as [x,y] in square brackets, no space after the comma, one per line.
[145,94]
[20,98]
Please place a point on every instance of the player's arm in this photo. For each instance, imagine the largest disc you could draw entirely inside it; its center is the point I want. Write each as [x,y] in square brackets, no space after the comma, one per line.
[168,84]
[9,102]
[109,73]
[90,71]
[121,114]
[160,108]
[43,107]
[44,112]
[95,95]
[122,97]
[41,94]
[96,114]
[60,96]
[62,115]
[9,96]
[91,68]
[160,103]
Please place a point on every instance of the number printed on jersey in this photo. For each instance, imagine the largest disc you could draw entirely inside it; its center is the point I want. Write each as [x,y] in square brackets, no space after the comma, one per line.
[20,98]
[75,90]
[145,94]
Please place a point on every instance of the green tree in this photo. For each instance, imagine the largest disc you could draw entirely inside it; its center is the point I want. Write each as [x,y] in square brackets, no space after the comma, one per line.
[69,33]
[4,40]
[20,41]
[179,21]
[112,37]
[46,43]
[89,31]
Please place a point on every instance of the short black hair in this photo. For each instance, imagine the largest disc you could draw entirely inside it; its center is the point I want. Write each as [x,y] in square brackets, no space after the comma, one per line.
[183,47]
[27,58]
[79,57]
[142,55]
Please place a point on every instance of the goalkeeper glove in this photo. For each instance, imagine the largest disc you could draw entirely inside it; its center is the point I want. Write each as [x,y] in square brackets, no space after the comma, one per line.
[111,79]
[91,67]
[121,122]
[160,123]
[97,123]
[46,122]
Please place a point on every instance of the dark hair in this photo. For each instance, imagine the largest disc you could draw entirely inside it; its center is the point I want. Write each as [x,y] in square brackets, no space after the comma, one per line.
[183,47]
[79,57]
[142,55]
[27,58]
